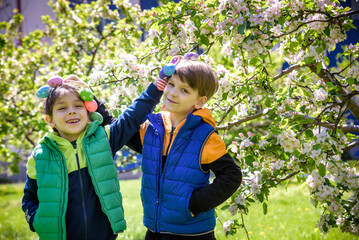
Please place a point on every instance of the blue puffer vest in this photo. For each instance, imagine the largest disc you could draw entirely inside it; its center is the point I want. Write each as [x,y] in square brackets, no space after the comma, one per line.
[166,194]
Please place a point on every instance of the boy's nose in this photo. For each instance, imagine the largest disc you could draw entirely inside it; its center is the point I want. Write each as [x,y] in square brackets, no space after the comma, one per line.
[174,92]
[72,110]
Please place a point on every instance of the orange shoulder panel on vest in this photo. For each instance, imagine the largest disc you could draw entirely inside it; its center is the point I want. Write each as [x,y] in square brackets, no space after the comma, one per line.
[143,129]
[213,149]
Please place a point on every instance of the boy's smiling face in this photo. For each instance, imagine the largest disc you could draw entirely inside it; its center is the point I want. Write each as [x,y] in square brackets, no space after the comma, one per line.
[180,99]
[69,116]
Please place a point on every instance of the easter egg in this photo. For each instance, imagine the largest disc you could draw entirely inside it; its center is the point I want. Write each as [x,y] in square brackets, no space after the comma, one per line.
[162,75]
[169,69]
[86,95]
[55,81]
[91,106]
[96,116]
[43,91]
[191,56]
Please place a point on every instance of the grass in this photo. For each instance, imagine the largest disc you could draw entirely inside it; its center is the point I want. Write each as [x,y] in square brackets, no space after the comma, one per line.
[290,216]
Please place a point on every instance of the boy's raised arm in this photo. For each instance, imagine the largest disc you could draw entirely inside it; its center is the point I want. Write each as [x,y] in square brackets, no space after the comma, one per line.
[130,120]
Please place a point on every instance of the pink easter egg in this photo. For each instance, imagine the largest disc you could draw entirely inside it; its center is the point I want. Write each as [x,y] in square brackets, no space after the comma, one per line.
[55,81]
[91,106]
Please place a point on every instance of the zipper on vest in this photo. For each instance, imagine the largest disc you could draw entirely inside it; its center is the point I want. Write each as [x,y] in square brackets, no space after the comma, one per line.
[169,144]
[168,149]
[82,192]
[160,182]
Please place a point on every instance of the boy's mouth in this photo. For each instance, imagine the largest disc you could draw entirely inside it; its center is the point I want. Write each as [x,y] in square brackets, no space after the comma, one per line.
[170,101]
[73,121]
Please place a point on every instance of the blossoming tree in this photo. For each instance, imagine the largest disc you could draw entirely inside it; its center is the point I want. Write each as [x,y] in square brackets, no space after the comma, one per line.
[279,123]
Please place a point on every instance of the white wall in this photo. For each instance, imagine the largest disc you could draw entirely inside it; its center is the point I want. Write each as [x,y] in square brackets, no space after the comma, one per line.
[32,10]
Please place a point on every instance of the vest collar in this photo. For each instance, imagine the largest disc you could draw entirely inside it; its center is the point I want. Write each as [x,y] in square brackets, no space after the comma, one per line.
[53,138]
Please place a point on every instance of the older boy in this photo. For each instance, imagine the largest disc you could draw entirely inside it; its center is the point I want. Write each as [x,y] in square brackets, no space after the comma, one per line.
[180,146]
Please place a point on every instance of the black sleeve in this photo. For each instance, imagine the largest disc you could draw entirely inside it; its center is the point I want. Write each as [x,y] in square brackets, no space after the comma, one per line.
[30,202]
[228,177]
[107,117]
[135,143]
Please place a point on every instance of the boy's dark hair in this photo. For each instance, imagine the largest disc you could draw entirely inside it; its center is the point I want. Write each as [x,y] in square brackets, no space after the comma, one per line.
[56,93]
[198,76]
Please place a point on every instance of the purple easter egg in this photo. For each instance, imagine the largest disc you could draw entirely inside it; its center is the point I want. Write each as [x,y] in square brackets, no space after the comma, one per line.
[162,75]
[169,69]
[55,81]
[191,56]
[43,91]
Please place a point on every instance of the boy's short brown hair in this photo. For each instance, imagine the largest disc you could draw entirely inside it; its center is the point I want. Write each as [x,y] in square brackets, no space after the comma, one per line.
[56,93]
[198,76]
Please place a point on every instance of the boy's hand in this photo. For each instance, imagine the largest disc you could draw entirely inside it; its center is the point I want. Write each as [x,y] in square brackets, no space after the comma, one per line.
[85,93]
[75,81]
[166,72]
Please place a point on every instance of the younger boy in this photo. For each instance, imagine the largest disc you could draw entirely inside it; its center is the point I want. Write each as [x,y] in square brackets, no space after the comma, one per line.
[72,189]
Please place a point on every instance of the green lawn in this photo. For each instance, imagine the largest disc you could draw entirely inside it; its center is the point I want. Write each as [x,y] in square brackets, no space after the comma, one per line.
[290,216]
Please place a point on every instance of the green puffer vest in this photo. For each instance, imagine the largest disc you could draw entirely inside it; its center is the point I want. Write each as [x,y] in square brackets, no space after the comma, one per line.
[52,181]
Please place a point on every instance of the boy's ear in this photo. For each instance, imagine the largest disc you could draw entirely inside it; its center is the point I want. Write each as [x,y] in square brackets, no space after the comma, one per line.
[201,102]
[49,121]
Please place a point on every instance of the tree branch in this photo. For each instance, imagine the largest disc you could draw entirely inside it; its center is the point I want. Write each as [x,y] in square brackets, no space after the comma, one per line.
[235,123]
[326,75]
[287,177]
[351,145]
[288,70]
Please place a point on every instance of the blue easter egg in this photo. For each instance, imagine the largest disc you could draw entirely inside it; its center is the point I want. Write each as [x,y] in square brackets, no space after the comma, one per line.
[169,69]
[43,91]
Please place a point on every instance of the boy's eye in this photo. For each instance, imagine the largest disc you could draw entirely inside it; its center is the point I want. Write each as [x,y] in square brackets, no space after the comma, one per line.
[185,90]
[170,84]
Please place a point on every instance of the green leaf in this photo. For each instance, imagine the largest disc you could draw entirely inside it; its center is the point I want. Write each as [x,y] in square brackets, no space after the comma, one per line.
[350,81]
[302,109]
[325,228]
[197,21]
[268,102]
[204,40]
[3,25]
[319,67]
[309,133]
[260,197]
[316,146]
[281,20]
[326,60]
[242,27]
[197,33]
[327,31]
[225,207]
[322,170]
[265,208]
[249,160]
[222,17]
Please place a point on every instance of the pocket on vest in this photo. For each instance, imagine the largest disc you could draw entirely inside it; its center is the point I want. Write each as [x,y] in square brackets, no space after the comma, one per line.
[176,209]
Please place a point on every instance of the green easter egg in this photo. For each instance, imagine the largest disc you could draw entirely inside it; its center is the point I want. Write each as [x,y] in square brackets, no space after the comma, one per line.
[96,116]
[86,95]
